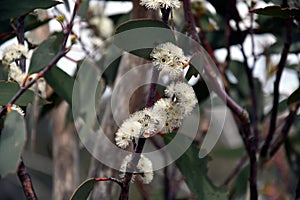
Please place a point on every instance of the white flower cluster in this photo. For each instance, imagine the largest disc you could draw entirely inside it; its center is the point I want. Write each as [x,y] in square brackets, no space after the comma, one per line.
[164,116]
[156,4]
[16,74]
[170,59]
[14,52]
[144,169]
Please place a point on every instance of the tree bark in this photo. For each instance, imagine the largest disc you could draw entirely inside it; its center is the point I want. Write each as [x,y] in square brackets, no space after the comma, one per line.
[65,155]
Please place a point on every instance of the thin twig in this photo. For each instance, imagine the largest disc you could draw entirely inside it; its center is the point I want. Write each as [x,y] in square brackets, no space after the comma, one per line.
[284,131]
[283,58]
[250,78]
[20,31]
[190,23]
[26,182]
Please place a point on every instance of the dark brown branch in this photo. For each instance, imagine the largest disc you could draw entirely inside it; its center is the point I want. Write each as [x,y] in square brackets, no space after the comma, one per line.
[250,78]
[21,38]
[283,58]
[190,23]
[240,113]
[26,182]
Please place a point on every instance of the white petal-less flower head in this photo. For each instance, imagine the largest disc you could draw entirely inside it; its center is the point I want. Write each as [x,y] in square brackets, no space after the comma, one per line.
[14,52]
[169,58]
[122,139]
[129,130]
[18,109]
[156,4]
[150,4]
[144,169]
[184,95]
[16,74]
[173,112]
[150,122]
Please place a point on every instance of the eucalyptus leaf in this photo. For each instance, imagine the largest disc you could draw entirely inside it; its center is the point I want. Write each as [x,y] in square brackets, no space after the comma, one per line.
[140,36]
[15,8]
[8,89]
[294,97]
[84,190]
[278,11]
[45,52]
[12,141]
[61,82]
[194,171]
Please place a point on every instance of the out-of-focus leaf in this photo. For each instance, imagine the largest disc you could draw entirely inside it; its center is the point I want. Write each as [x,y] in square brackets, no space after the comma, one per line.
[201,91]
[294,97]
[15,8]
[61,83]
[83,8]
[110,63]
[293,154]
[277,11]
[67,5]
[9,89]
[45,53]
[31,22]
[140,36]
[239,188]
[84,190]
[87,91]
[194,170]
[12,141]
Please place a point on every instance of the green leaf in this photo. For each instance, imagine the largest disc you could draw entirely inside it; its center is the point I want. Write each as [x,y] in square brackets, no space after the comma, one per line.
[61,83]
[84,189]
[239,188]
[109,63]
[140,36]
[294,97]
[194,170]
[31,22]
[12,141]
[15,8]
[45,53]
[83,8]
[291,146]
[277,11]
[9,89]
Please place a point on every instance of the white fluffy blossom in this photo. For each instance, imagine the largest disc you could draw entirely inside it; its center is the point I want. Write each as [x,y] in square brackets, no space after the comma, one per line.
[129,130]
[18,109]
[14,52]
[16,74]
[104,25]
[183,94]
[155,4]
[144,169]
[174,114]
[170,59]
